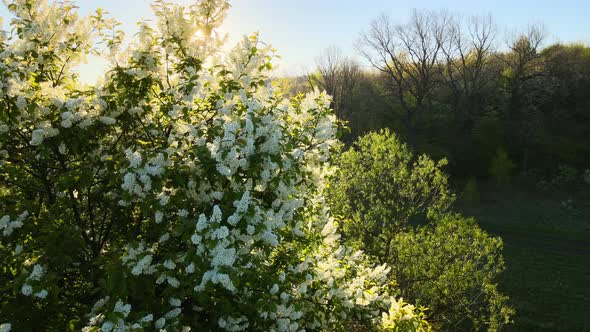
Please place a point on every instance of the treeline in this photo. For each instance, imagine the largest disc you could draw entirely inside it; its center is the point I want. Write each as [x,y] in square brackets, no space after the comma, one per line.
[452,88]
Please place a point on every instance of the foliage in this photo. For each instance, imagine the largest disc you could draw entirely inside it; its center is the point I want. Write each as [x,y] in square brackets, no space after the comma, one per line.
[381,187]
[487,136]
[470,192]
[290,86]
[566,176]
[565,179]
[395,206]
[451,265]
[568,206]
[180,193]
[501,167]
[526,98]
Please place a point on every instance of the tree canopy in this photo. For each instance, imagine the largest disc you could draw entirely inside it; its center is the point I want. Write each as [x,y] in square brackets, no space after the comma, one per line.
[397,207]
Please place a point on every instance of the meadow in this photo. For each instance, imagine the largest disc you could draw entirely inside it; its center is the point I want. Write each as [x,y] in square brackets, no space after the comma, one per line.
[547,250]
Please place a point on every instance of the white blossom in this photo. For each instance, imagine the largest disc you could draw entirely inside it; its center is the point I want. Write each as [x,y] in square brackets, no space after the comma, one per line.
[147,318]
[134,158]
[160,323]
[125,309]
[26,290]
[173,282]
[158,217]
[169,264]
[42,294]
[274,289]
[37,272]
[173,313]
[108,120]
[174,302]
[107,327]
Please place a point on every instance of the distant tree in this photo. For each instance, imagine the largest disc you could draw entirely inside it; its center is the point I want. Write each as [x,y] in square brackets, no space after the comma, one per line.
[569,65]
[523,63]
[470,194]
[526,86]
[338,75]
[407,54]
[442,76]
[501,167]
[466,67]
[291,86]
[566,137]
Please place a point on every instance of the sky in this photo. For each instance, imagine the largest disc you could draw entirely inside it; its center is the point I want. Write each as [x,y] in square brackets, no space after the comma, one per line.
[301,29]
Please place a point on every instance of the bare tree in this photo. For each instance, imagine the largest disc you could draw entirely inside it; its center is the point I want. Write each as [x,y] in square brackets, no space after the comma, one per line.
[338,75]
[524,71]
[466,66]
[327,67]
[408,55]
[524,62]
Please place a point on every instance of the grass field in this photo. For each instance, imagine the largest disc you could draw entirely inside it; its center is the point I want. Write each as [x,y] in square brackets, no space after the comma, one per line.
[547,254]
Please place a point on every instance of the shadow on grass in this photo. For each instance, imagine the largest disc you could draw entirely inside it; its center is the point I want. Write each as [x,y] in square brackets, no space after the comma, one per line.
[547,254]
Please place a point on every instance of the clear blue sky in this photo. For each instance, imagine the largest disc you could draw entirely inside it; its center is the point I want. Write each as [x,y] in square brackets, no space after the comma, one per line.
[300,29]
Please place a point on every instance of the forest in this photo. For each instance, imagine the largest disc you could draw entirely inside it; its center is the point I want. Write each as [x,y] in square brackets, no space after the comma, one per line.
[436,180]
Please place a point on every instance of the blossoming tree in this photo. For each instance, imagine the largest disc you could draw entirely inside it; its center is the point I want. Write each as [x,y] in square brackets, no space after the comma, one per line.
[178,193]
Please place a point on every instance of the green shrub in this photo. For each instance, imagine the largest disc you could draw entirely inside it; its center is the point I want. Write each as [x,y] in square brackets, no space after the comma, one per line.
[382,186]
[566,176]
[448,264]
[501,167]
[470,194]
[487,137]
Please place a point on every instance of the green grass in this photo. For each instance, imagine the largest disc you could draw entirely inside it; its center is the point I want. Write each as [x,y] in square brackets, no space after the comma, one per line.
[547,254]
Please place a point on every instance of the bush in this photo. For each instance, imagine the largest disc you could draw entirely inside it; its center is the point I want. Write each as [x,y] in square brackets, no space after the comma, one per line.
[444,261]
[180,193]
[487,136]
[451,266]
[470,193]
[566,176]
[501,167]
[381,187]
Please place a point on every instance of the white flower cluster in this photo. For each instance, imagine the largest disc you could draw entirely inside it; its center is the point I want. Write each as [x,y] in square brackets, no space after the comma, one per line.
[8,226]
[124,309]
[189,155]
[139,259]
[233,324]
[138,181]
[35,276]
[398,312]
